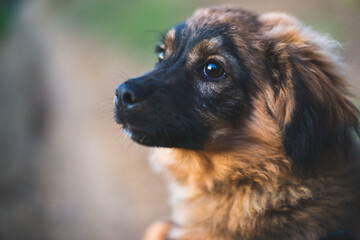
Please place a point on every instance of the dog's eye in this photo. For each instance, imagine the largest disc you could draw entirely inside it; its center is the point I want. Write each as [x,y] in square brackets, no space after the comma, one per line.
[213,69]
[161,56]
[160,51]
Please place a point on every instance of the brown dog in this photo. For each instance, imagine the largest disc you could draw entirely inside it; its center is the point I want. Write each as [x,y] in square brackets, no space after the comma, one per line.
[255,129]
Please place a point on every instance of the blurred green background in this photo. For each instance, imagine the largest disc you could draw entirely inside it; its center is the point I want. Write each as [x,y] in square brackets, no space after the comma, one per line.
[134,23]
[66,170]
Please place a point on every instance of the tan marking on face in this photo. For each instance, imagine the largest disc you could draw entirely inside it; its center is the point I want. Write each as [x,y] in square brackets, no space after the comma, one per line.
[209,88]
[169,41]
[203,47]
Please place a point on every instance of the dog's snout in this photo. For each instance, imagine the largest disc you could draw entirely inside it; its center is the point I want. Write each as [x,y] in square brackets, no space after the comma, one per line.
[127,96]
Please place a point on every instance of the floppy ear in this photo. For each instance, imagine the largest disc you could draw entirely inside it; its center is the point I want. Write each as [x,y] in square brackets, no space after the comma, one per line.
[306,66]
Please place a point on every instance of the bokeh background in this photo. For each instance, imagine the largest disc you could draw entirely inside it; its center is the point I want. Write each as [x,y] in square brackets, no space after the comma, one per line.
[66,169]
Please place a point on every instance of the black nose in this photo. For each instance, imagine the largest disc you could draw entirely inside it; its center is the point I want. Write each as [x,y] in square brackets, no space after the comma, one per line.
[127,96]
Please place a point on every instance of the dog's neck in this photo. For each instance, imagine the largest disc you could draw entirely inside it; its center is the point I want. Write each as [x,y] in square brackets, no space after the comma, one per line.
[205,168]
[251,187]
[251,165]
[256,156]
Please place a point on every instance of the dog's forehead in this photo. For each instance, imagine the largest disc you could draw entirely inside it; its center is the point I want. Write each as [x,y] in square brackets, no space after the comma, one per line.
[188,36]
[198,28]
[212,25]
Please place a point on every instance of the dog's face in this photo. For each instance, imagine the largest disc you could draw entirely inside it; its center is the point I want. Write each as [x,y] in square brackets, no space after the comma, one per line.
[226,70]
[199,85]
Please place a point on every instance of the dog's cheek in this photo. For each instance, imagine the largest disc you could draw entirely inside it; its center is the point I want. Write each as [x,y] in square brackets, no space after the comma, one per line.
[220,103]
[222,109]
[180,123]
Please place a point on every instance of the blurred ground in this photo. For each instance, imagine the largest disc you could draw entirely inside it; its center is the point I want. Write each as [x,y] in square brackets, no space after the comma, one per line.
[66,170]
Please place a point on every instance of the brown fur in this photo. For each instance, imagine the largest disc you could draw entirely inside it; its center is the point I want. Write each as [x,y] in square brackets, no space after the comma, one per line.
[242,184]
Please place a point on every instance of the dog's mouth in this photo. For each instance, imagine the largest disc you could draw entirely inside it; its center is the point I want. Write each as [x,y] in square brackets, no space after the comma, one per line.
[144,130]
[137,134]
[142,136]
[162,130]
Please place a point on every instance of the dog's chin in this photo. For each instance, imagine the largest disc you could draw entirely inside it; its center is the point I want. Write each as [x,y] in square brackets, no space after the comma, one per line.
[144,138]
[167,139]
[162,135]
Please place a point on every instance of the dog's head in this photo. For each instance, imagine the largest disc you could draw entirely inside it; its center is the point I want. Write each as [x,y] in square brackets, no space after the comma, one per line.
[225,72]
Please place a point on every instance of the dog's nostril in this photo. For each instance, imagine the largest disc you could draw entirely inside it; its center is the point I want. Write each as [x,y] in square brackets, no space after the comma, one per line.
[128,98]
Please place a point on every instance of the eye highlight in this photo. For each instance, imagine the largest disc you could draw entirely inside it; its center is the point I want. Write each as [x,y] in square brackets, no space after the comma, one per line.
[213,69]
[161,56]
[160,50]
